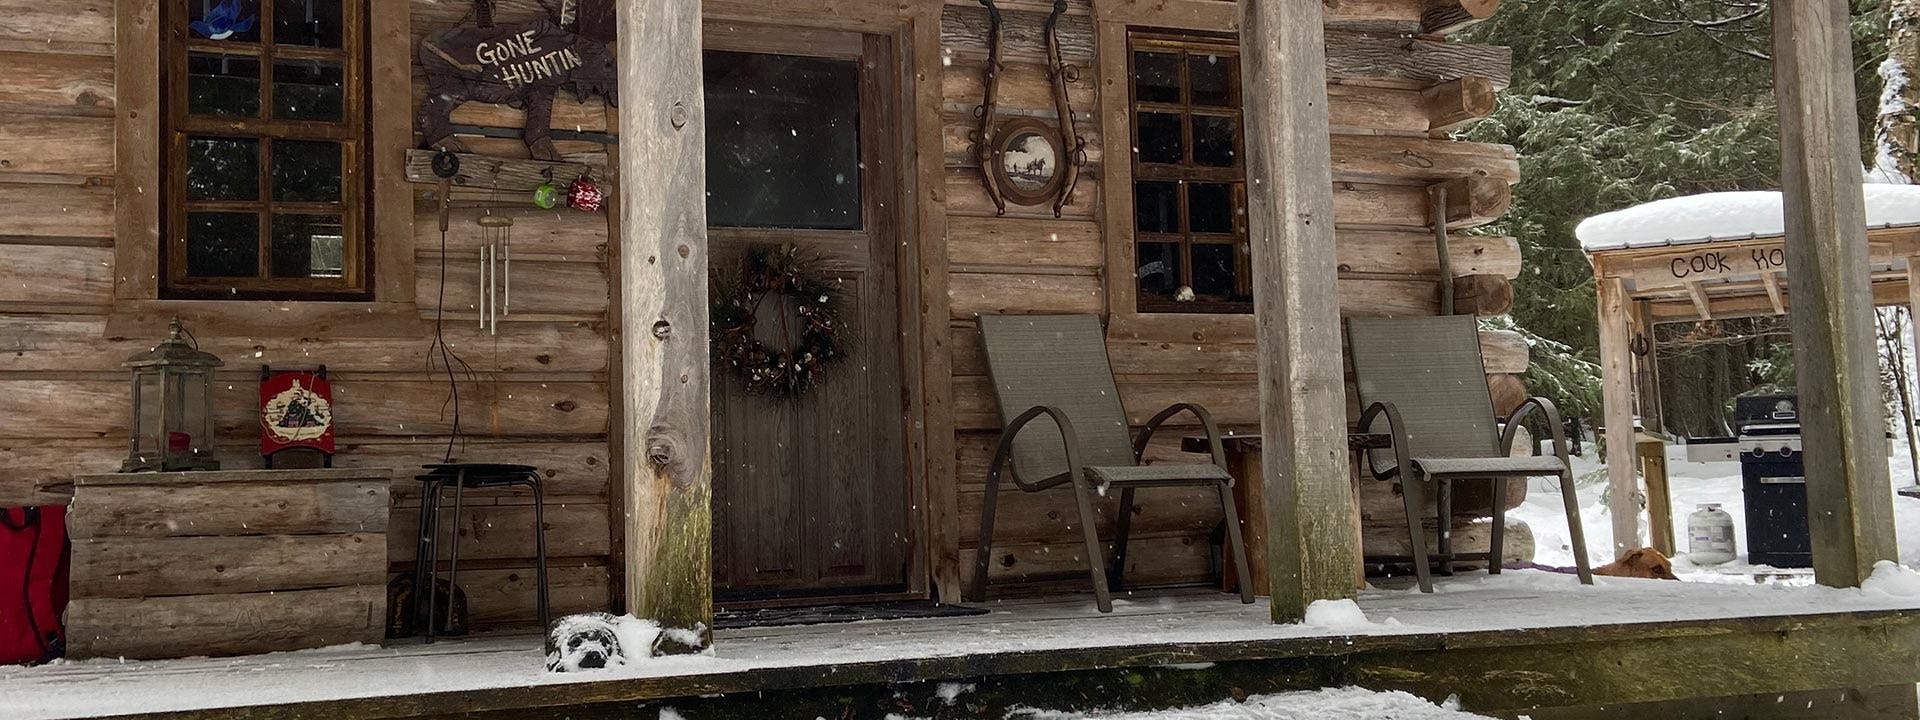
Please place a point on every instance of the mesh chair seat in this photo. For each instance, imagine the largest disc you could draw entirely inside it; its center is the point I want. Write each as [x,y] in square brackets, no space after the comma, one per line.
[1161,474]
[1526,465]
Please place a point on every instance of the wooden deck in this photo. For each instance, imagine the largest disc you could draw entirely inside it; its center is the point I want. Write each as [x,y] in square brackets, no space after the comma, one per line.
[1530,642]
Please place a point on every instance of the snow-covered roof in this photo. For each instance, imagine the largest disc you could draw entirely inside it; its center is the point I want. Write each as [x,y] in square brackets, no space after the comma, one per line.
[1725,216]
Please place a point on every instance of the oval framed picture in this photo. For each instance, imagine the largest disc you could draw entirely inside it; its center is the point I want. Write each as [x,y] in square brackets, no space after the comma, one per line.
[1028,161]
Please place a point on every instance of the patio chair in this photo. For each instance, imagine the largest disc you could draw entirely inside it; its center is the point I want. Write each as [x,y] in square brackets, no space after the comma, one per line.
[1056,366]
[1425,376]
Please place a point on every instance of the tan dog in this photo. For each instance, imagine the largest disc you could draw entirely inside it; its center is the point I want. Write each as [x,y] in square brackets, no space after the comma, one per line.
[1645,562]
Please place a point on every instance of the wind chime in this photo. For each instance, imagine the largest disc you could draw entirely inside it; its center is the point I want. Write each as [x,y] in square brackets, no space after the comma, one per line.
[496,270]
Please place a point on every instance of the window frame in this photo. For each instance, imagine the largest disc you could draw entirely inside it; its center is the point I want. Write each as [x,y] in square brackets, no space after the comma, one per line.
[354,133]
[1185,46]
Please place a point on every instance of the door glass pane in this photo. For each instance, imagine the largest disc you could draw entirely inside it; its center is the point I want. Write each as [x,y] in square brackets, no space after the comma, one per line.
[783,141]
[308,246]
[1213,140]
[1158,269]
[1210,207]
[223,169]
[312,23]
[1159,137]
[307,90]
[1156,77]
[1156,206]
[227,20]
[219,84]
[223,244]
[306,171]
[1212,77]
[1213,268]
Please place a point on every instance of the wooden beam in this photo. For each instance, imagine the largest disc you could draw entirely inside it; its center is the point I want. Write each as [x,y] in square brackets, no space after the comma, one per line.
[1849,505]
[1482,295]
[1454,104]
[667,465]
[1698,293]
[1771,281]
[1616,398]
[1476,201]
[1445,17]
[1303,408]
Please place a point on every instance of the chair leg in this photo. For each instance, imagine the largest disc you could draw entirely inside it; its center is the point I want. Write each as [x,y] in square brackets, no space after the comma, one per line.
[1575,531]
[1443,523]
[1236,544]
[432,560]
[1497,549]
[1416,540]
[983,554]
[1083,493]
[1116,578]
[453,559]
[423,548]
[540,560]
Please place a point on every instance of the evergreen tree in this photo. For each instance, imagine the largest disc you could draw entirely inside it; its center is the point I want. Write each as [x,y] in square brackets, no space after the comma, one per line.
[1619,102]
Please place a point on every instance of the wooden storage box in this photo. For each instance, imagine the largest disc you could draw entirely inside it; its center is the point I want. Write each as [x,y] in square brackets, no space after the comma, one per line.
[227,562]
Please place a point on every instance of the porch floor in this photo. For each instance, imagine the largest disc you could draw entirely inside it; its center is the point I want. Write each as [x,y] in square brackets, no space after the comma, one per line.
[1026,636]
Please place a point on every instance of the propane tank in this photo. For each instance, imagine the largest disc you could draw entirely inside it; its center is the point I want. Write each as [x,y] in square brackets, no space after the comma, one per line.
[1710,536]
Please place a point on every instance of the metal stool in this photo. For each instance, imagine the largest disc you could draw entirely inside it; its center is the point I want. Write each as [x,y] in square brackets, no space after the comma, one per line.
[462,476]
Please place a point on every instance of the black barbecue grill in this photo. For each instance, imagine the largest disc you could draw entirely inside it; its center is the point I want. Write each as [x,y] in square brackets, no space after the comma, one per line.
[1774,480]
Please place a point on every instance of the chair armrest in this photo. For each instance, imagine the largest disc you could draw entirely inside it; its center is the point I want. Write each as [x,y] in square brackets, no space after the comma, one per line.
[1206,421]
[1396,429]
[1555,428]
[1004,452]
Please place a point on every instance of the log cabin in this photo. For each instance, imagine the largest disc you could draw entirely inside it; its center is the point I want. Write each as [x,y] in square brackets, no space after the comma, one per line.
[849,129]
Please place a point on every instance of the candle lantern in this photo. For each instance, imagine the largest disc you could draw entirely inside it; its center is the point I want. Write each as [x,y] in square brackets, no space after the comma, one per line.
[172,407]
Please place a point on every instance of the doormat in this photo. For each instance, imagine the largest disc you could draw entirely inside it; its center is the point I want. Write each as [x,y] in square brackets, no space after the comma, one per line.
[824,614]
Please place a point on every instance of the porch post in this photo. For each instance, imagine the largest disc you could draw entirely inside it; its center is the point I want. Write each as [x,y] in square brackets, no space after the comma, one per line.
[667,467]
[1303,407]
[1849,503]
[1616,405]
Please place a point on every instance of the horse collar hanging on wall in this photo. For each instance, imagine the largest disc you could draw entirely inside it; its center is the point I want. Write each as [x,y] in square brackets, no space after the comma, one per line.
[523,65]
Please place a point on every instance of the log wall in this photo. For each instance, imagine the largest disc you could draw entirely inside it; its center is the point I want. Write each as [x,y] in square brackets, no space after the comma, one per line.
[538,391]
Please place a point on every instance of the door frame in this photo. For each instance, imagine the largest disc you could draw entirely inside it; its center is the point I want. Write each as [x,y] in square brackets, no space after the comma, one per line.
[909,36]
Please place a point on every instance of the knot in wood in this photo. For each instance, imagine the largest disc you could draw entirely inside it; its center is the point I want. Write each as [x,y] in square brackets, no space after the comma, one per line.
[662,329]
[660,453]
[678,116]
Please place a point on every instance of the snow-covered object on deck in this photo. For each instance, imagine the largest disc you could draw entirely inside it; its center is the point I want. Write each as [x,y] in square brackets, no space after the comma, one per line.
[1711,217]
[1348,703]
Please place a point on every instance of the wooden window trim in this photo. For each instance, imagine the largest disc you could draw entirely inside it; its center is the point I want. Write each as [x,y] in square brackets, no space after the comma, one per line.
[391,311]
[1185,46]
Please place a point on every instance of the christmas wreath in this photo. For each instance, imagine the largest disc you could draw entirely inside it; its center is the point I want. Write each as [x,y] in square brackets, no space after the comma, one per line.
[808,314]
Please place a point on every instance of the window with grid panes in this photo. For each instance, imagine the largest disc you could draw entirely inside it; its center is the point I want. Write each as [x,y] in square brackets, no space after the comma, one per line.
[1189,181]
[265,128]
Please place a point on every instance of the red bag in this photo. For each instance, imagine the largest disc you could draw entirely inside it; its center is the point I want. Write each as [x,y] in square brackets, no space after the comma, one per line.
[34,557]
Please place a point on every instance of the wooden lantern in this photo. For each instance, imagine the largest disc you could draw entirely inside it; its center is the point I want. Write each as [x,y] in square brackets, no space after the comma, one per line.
[172,407]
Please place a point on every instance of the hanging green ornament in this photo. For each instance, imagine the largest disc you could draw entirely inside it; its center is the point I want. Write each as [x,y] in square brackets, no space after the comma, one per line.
[548,195]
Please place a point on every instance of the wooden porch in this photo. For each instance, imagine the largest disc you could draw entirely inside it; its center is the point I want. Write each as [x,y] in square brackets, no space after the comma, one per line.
[1523,642]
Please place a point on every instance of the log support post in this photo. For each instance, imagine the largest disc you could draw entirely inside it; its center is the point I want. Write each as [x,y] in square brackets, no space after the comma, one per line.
[1616,399]
[1849,505]
[666,465]
[1303,410]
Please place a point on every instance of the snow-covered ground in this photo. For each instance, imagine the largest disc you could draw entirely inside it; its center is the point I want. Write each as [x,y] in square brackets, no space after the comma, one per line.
[1692,484]
[1350,703]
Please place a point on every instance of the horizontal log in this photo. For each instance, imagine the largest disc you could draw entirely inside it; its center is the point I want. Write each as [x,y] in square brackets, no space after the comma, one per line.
[42,23]
[958,128]
[1454,104]
[569,113]
[574,530]
[1412,253]
[56,83]
[1053,517]
[56,275]
[1392,541]
[47,210]
[37,471]
[560,233]
[1509,391]
[1483,295]
[1023,85]
[1393,157]
[1354,56]
[967,197]
[222,625]
[73,343]
[530,286]
[228,509]
[1056,568]
[54,145]
[1074,243]
[1476,201]
[1359,109]
[502,598]
[98,409]
[1170,348]
[149,567]
[1445,17]
[510,173]
[965,29]
[974,293]
[1505,352]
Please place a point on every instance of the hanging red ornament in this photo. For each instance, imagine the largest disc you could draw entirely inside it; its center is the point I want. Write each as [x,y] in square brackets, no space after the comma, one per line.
[585,196]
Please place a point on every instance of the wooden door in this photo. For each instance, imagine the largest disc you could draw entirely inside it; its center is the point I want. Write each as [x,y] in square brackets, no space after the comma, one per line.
[810,492]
